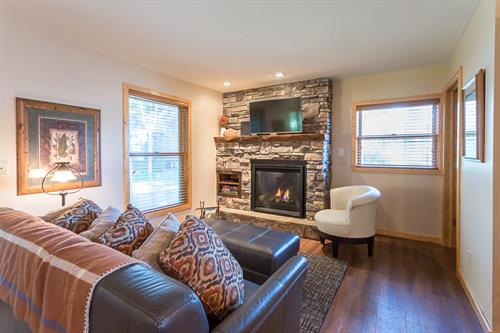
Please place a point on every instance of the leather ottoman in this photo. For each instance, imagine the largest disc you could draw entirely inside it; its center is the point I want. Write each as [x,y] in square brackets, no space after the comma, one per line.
[259,251]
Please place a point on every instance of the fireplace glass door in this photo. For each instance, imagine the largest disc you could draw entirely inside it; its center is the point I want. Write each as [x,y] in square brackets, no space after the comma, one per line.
[278,187]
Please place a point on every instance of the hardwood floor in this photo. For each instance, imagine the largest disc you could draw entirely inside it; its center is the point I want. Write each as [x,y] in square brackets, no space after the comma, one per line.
[408,286]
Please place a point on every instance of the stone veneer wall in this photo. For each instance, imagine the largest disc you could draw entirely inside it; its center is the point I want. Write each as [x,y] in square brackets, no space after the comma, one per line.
[316,97]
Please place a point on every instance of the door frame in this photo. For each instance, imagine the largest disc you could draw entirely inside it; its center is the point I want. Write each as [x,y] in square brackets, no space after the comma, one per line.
[449,120]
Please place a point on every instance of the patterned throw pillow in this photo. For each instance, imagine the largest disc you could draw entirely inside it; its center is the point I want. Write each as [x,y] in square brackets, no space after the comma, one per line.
[198,258]
[158,241]
[129,232]
[79,217]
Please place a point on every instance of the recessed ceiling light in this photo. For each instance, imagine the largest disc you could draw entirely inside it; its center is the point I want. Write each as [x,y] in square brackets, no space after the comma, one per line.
[279,74]
[227,83]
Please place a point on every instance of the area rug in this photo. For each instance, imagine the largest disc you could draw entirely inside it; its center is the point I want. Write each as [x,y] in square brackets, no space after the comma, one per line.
[323,279]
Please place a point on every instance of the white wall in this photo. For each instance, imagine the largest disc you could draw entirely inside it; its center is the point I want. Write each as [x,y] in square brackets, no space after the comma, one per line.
[410,203]
[41,67]
[496,182]
[475,51]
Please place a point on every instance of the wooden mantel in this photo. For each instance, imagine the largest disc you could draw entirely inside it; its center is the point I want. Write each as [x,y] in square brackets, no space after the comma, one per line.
[274,137]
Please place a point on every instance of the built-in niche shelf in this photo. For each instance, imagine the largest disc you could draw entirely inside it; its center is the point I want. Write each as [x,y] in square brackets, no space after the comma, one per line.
[273,137]
[229,183]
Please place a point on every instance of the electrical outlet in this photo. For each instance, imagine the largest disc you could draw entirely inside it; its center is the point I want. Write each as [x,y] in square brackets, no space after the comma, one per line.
[469,257]
[3,168]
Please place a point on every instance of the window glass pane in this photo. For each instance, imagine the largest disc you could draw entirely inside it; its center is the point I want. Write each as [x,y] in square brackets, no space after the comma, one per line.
[398,135]
[155,181]
[397,121]
[406,153]
[470,124]
[153,126]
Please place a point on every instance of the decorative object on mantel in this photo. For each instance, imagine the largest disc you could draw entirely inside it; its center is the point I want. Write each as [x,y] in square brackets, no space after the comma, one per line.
[310,111]
[230,134]
[50,133]
[223,122]
[473,129]
[62,172]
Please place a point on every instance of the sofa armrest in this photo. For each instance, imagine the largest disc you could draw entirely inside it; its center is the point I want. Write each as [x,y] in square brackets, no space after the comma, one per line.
[139,299]
[275,307]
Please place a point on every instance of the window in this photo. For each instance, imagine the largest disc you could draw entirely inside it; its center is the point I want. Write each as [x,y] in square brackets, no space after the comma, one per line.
[157,151]
[399,135]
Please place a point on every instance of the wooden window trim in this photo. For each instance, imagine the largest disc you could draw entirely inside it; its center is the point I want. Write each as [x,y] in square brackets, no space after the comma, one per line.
[129,89]
[403,101]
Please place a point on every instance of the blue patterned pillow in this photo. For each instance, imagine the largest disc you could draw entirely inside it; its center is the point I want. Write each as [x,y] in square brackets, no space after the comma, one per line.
[129,232]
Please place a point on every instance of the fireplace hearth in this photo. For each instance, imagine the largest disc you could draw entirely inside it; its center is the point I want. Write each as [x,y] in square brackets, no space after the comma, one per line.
[278,187]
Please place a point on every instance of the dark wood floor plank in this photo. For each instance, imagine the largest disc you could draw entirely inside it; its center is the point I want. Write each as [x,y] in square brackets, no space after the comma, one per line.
[408,286]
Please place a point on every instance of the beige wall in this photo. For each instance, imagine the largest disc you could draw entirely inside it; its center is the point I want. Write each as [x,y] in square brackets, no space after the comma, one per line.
[475,51]
[41,67]
[409,203]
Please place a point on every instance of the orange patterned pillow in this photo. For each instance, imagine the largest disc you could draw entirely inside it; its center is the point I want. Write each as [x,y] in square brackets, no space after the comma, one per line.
[79,217]
[198,258]
[128,233]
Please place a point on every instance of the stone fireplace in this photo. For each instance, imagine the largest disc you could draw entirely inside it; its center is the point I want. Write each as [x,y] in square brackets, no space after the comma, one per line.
[278,187]
[309,149]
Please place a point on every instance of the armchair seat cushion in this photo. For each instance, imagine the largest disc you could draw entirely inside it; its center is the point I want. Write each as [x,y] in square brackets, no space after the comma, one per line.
[332,222]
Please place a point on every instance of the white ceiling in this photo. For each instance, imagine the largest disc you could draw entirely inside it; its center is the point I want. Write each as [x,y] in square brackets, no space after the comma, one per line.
[246,42]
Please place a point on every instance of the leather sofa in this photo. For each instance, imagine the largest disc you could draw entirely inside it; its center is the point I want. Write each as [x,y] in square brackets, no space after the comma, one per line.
[139,299]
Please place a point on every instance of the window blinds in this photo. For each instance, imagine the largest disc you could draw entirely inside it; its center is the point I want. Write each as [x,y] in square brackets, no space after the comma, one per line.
[158,153]
[398,135]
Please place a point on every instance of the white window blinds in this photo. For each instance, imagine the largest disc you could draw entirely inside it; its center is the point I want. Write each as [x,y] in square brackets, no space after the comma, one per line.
[158,153]
[398,135]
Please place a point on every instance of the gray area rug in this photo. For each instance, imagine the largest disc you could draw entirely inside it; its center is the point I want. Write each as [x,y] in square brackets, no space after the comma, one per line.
[323,279]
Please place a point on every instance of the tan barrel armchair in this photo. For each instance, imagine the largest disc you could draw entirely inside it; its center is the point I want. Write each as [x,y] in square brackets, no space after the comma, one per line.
[351,218]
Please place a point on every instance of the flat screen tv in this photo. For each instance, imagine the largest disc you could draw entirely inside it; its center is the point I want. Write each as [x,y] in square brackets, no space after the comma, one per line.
[276,116]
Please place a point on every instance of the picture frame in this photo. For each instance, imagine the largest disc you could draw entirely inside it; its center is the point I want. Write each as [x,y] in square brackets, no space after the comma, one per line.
[473,118]
[51,132]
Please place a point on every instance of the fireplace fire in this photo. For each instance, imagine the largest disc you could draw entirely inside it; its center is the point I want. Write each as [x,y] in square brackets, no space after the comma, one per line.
[282,196]
[278,187]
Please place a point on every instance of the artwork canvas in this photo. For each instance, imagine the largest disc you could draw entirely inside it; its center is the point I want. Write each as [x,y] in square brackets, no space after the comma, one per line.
[48,133]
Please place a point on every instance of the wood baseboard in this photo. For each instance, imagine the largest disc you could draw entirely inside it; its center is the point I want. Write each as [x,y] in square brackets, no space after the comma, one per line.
[475,305]
[409,235]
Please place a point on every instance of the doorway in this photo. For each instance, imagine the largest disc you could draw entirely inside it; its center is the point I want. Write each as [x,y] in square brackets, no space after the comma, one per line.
[452,106]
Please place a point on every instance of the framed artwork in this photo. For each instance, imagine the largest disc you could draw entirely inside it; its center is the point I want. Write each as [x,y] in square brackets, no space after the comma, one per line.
[48,133]
[473,117]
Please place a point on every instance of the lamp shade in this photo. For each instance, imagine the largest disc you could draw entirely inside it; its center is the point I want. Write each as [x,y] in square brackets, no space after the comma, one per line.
[62,176]
[62,172]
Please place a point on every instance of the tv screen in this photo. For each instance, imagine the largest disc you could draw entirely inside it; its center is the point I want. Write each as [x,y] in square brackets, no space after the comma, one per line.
[276,116]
